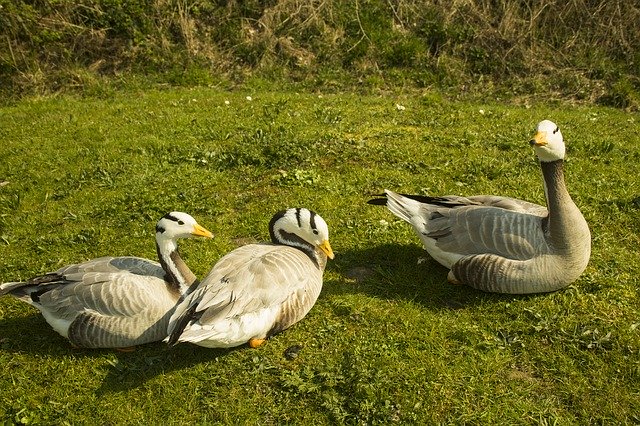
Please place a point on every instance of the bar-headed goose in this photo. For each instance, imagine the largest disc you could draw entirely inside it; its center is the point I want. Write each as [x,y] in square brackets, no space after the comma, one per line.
[115,302]
[501,244]
[257,290]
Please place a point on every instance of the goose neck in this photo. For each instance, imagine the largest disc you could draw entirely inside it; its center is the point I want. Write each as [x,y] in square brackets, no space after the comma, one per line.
[177,274]
[565,219]
[281,237]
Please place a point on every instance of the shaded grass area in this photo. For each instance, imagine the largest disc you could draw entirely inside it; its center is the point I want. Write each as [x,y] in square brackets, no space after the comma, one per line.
[389,339]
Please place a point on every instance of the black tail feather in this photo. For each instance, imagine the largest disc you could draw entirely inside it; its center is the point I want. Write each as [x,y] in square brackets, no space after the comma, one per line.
[437,201]
[450,202]
[440,201]
[182,322]
[51,278]
[35,287]
[378,201]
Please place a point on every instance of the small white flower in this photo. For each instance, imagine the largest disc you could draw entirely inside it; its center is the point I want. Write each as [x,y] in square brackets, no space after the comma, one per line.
[481,112]
[400,107]
[249,98]
[227,102]
[384,222]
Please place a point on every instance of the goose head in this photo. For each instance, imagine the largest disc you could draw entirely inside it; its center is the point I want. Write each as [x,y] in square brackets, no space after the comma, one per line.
[300,227]
[176,225]
[547,142]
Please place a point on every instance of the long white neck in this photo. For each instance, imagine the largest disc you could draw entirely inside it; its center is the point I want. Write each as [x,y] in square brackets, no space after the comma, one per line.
[177,273]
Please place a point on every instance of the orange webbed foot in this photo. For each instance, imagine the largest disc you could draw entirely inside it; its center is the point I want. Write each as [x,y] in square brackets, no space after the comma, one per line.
[254,343]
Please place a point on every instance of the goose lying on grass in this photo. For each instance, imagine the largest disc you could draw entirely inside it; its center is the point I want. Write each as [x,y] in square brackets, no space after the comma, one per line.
[115,302]
[257,290]
[501,244]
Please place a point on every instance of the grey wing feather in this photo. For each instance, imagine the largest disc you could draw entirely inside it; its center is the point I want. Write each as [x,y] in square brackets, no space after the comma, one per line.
[251,278]
[472,225]
[134,265]
[116,294]
[256,276]
[106,302]
[475,230]
[512,204]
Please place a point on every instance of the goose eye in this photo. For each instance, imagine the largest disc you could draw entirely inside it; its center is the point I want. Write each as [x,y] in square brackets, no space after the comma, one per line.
[180,222]
[315,232]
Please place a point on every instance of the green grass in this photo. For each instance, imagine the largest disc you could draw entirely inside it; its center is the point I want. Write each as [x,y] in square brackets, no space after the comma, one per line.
[389,340]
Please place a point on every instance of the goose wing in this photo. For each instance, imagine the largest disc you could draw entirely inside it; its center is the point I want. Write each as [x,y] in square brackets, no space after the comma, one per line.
[456,201]
[105,302]
[254,291]
[476,230]
[508,203]
[451,227]
[131,264]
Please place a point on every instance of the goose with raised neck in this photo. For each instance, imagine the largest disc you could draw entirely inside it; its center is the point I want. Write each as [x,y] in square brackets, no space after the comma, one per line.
[501,244]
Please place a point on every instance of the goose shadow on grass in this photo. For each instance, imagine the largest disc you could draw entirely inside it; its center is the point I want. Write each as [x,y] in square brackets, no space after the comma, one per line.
[30,334]
[404,272]
[132,370]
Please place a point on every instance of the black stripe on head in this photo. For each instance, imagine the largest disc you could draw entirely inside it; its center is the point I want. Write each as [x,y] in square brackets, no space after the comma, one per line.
[160,229]
[298,217]
[312,222]
[170,217]
[276,217]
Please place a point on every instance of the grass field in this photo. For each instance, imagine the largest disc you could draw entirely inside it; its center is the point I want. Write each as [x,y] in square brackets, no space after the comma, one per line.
[389,340]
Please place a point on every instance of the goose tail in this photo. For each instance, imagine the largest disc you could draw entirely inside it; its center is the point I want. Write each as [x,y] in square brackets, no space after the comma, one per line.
[11,287]
[403,207]
[30,291]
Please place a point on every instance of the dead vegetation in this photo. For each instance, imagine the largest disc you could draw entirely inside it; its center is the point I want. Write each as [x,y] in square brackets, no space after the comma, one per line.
[580,49]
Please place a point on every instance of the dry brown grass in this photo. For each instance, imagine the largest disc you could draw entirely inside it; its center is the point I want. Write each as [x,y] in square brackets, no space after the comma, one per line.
[579,48]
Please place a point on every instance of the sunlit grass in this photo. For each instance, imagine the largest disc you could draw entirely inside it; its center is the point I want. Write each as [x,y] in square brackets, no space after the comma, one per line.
[389,339]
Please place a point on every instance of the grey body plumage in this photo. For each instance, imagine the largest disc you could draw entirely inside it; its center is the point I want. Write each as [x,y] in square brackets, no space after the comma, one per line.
[502,244]
[257,290]
[113,302]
